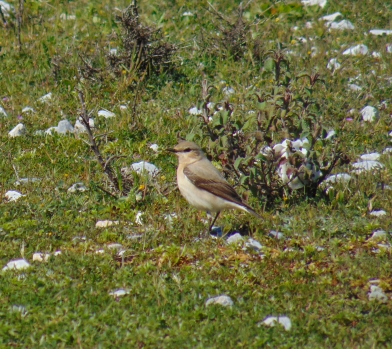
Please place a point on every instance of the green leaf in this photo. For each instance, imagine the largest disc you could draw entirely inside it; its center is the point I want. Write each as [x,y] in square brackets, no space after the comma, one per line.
[237,163]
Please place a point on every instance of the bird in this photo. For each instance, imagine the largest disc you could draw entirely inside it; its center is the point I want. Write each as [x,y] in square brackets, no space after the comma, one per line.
[202,185]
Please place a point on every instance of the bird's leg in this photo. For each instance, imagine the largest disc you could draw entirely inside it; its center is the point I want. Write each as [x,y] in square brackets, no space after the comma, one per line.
[213,222]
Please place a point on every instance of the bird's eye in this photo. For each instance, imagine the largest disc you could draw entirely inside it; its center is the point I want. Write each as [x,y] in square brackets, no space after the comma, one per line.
[187,150]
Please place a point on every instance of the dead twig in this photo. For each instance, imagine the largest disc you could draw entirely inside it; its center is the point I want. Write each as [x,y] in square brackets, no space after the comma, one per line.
[105,163]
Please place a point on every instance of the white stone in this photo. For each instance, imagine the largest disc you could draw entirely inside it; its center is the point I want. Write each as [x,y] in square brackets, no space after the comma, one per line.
[28,110]
[65,17]
[228,90]
[154,147]
[17,264]
[332,17]
[380,32]
[138,218]
[366,165]
[254,244]
[105,224]
[79,127]
[113,51]
[169,218]
[3,112]
[376,54]
[378,213]
[378,234]
[195,111]
[330,134]
[387,150]
[50,130]
[140,167]
[338,178]
[377,294]
[354,87]
[119,293]
[276,234]
[187,14]
[356,50]
[370,113]
[235,239]
[77,187]
[370,156]
[99,251]
[45,98]
[342,25]
[57,253]
[123,107]
[41,257]
[17,131]
[21,181]
[273,320]
[106,114]
[13,195]
[320,3]
[388,48]
[115,246]
[223,300]
[64,126]
[6,8]
[333,64]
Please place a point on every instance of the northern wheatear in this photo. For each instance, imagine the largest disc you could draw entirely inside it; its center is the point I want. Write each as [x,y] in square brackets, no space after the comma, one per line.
[202,185]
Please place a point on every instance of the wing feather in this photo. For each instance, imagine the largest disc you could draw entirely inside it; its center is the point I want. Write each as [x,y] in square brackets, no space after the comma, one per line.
[212,181]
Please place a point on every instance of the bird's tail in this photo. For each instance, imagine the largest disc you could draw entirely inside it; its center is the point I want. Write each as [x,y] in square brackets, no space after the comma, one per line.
[250,210]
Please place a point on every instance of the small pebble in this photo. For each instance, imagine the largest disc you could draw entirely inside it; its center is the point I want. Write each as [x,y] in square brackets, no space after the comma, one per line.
[45,98]
[378,234]
[320,3]
[106,114]
[21,181]
[332,17]
[378,213]
[143,166]
[235,239]
[195,111]
[105,224]
[115,246]
[41,257]
[366,165]
[119,293]
[13,195]
[342,25]
[77,187]
[3,112]
[254,244]
[377,294]
[333,64]
[380,32]
[370,114]
[371,156]
[223,300]
[276,234]
[356,50]
[154,147]
[338,178]
[17,264]
[17,131]
[273,320]
[64,127]
[28,110]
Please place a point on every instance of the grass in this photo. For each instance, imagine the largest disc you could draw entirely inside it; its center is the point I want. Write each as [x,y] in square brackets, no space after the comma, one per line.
[169,273]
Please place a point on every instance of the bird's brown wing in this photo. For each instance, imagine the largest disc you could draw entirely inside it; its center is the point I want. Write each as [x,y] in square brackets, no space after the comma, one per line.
[214,183]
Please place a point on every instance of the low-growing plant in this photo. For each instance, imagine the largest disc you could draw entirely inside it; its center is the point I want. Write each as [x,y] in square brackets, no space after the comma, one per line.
[248,143]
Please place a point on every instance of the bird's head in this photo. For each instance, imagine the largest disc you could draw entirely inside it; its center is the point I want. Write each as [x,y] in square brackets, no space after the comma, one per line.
[187,152]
